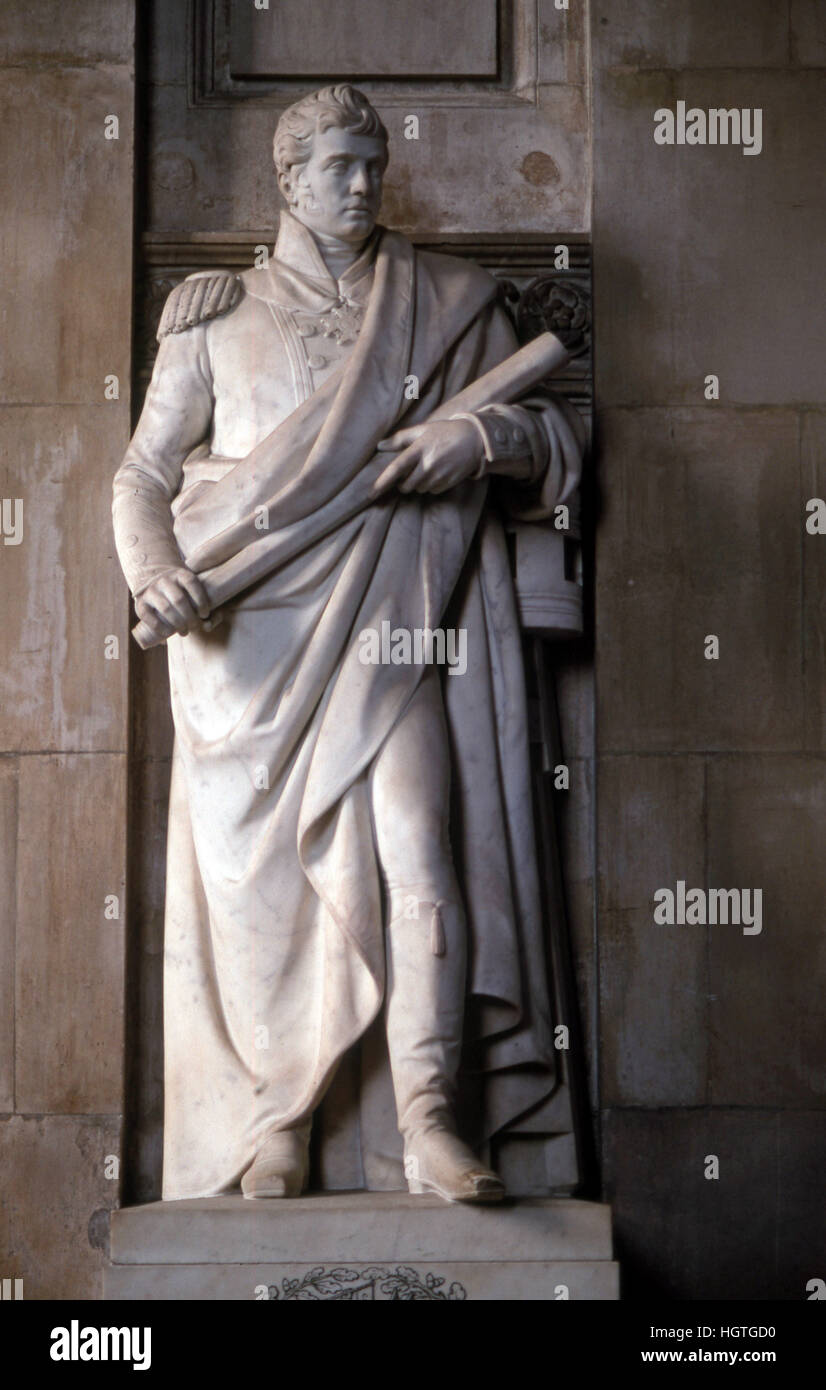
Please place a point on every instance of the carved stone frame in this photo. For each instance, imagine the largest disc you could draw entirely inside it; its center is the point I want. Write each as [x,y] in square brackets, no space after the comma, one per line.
[516,84]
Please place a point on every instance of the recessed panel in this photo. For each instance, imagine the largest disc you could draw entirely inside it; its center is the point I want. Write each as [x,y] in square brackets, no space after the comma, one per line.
[364,38]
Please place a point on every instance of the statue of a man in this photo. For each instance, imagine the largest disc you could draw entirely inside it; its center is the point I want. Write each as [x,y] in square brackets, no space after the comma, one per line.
[345,833]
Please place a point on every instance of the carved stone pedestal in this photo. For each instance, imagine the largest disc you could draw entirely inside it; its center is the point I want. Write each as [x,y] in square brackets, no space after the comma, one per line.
[362,1245]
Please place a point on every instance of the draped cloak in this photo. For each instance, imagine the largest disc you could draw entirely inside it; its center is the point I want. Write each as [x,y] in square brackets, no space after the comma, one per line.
[274,952]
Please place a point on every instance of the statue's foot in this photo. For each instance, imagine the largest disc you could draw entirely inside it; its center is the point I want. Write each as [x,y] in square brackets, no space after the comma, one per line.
[281,1166]
[437,1161]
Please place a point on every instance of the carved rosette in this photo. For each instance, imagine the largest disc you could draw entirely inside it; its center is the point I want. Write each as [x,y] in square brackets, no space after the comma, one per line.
[556,306]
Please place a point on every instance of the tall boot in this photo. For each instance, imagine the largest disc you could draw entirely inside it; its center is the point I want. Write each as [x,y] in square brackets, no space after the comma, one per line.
[281,1166]
[426,970]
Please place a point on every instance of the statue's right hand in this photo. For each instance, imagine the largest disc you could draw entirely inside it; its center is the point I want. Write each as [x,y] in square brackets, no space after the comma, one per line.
[174,602]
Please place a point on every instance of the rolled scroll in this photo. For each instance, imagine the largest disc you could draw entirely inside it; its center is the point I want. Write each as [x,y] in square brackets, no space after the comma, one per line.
[502,385]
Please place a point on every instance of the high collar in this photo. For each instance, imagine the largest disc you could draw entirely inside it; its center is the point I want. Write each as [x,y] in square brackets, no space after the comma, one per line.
[297,248]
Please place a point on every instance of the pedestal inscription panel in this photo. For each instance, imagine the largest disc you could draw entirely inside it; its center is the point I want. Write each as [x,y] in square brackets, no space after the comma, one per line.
[412,38]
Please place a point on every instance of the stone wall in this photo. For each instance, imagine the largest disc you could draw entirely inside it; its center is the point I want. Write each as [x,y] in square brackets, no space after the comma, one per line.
[66,250]
[707,261]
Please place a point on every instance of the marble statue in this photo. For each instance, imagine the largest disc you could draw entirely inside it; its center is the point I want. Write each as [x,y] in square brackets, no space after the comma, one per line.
[346,835]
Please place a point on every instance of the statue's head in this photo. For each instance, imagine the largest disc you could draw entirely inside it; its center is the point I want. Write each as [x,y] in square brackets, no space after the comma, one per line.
[330,152]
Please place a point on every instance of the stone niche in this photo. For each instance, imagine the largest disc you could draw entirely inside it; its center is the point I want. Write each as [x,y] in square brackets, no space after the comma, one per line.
[351,1125]
[507,193]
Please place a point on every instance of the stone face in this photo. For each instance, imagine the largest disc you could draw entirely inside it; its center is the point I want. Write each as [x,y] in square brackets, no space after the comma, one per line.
[679,1234]
[152,731]
[667,34]
[753,1233]
[801,1221]
[532,180]
[76,252]
[708,262]
[66,244]
[148,802]
[700,534]
[676,306]
[50,1218]
[61,584]
[765,830]
[98,31]
[167,48]
[379,1226]
[69,965]
[8,877]
[563,46]
[807,23]
[574,674]
[436,1282]
[653,1005]
[202,179]
[813,486]
[575,811]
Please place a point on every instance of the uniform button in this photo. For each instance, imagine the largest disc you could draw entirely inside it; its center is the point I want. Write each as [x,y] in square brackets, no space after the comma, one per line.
[499,435]
[518,434]
[130,541]
[142,558]
[316,362]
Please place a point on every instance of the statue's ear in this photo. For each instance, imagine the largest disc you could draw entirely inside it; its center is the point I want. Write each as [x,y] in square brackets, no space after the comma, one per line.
[285,184]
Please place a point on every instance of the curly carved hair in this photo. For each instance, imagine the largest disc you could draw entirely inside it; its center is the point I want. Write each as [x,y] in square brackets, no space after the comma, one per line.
[342,106]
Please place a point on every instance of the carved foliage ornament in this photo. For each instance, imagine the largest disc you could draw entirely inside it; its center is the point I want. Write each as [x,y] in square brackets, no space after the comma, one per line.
[343,1285]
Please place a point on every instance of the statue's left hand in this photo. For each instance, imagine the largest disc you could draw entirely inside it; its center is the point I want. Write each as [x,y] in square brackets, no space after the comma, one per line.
[434,457]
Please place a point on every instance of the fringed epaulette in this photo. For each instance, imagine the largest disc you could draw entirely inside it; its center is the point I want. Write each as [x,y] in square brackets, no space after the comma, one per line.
[203,296]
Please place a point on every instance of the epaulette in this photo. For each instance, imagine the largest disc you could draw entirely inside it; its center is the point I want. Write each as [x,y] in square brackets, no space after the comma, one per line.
[205,295]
